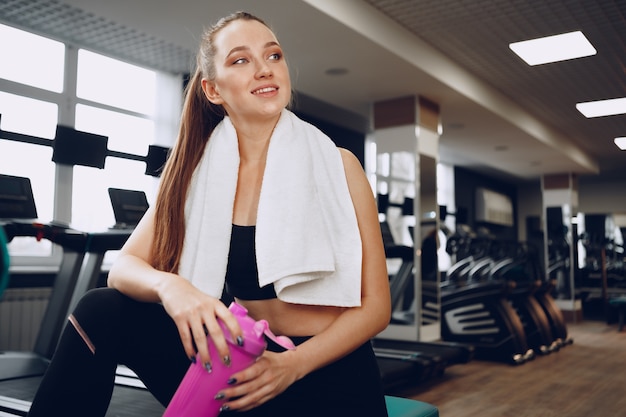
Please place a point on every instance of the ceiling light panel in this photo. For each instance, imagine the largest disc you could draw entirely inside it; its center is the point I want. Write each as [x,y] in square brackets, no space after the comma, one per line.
[553,48]
[602,107]
[621,143]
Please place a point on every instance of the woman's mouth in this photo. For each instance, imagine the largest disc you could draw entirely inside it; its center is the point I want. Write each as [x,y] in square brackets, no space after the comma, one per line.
[265,90]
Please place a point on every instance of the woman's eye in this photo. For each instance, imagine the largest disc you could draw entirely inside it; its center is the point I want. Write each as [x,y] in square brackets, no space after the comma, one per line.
[240,61]
[276,56]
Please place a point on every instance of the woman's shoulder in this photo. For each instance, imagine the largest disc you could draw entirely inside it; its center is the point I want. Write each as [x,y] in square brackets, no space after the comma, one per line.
[352,166]
[350,161]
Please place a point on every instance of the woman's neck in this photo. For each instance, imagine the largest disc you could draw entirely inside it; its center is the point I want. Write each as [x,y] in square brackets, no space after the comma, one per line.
[254,139]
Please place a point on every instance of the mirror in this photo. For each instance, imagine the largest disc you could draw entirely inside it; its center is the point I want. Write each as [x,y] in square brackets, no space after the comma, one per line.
[396,201]
[392,167]
[600,270]
[559,247]
[430,243]
[406,187]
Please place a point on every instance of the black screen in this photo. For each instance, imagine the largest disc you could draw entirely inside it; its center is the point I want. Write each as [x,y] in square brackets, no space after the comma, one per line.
[73,147]
[129,206]
[157,155]
[16,198]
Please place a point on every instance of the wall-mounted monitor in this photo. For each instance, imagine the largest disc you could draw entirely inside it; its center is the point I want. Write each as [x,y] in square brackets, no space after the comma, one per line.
[155,160]
[493,207]
[73,147]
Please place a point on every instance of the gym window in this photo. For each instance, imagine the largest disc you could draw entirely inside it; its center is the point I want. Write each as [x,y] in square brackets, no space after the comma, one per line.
[115,83]
[45,83]
[41,66]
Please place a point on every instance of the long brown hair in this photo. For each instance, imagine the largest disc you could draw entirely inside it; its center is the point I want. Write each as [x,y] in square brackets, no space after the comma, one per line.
[198,120]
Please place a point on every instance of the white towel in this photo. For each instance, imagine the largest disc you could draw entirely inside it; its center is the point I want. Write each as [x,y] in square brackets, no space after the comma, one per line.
[307,238]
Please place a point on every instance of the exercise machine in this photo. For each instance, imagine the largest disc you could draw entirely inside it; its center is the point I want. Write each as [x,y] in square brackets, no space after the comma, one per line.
[477,311]
[79,270]
[516,266]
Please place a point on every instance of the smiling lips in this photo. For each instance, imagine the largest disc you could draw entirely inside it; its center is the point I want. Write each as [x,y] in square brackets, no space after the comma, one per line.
[265,90]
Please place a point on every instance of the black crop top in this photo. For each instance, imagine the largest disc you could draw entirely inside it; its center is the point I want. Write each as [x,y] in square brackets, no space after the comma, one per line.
[242,275]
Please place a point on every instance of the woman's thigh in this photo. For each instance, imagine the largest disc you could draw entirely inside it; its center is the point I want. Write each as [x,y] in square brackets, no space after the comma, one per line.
[139,335]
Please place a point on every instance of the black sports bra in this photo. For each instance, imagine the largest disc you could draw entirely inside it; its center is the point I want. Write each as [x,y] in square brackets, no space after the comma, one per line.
[242,275]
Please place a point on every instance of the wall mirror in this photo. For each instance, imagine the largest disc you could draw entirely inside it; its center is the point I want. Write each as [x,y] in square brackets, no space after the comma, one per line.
[406,187]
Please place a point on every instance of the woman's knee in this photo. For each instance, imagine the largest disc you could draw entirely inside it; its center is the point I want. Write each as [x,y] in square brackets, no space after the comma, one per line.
[101,301]
[97,315]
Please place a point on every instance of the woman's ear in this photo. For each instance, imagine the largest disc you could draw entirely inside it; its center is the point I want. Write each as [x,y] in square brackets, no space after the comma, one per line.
[210,91]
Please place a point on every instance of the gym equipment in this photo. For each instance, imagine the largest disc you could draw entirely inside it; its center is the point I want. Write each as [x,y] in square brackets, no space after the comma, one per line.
[20,372]
[405,407]
[403,276]
[404,363]
[4,262]
[73,242]
[516,267]
[98,244]
[543,295]
[477,312]
[18,215]
[620,304]
[480,315]
[129,206]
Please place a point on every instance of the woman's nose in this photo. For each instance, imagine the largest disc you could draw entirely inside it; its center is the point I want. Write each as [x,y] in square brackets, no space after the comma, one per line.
[263,70]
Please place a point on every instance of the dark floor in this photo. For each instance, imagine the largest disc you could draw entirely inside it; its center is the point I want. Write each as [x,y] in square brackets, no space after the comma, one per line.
[587,378]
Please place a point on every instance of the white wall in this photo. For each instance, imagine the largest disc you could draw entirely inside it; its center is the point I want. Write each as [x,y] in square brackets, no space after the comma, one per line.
[594,197]
[607,196]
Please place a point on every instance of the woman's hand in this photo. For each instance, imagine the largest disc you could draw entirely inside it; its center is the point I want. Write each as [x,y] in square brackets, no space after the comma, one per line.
[195,314]
[269,376]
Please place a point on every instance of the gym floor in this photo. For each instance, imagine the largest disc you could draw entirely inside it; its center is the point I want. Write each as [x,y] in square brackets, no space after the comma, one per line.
[587,378]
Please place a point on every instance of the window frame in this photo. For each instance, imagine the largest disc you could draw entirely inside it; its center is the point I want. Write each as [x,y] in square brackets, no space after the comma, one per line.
[165,118]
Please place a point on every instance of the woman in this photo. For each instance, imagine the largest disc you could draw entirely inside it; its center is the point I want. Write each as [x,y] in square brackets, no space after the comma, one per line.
[251,201]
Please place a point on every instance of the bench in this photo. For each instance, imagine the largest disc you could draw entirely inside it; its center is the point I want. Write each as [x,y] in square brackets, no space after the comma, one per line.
[405,407]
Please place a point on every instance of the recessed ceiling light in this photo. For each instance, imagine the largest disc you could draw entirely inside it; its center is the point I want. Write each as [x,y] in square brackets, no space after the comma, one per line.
[336,71]
[602,107]
[553,48]
[621,143]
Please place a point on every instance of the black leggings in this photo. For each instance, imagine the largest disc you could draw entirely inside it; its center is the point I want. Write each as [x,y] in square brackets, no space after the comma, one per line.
[115,329]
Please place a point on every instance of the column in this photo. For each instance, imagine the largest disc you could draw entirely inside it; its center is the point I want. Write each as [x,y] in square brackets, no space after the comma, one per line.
[402,163]
[560,205]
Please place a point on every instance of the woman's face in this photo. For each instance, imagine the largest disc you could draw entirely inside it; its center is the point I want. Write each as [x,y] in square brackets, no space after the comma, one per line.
[252,79]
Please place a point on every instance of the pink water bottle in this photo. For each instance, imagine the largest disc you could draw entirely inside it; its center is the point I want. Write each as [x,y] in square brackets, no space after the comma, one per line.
[195,395]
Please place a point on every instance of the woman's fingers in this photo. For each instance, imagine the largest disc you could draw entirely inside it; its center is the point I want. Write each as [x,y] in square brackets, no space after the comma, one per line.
[187,341]
[257,384]
[207,328]
[199,336]
[197,317]
[219,334]
[231,323]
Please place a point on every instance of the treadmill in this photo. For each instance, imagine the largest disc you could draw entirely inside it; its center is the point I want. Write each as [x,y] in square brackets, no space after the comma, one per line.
[18,217]
[20,364]
[83,252]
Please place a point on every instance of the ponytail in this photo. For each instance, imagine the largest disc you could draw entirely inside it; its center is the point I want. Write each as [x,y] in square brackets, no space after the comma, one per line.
[199,118]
